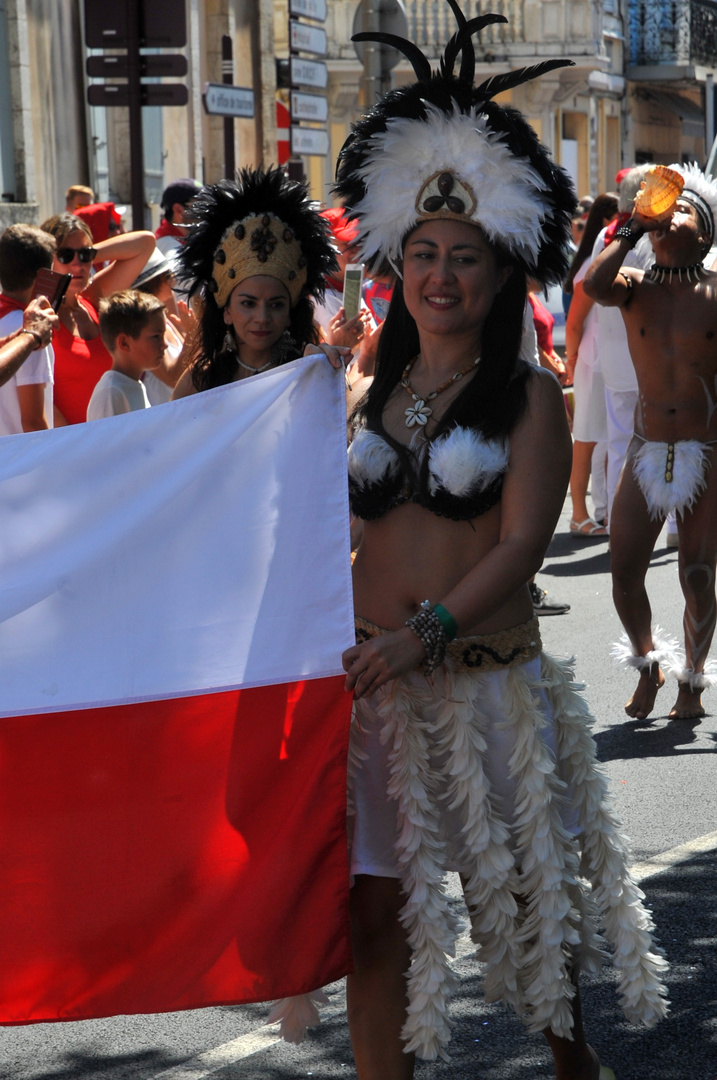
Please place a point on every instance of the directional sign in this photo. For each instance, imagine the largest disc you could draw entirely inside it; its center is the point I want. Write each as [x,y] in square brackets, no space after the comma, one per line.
[220,100]
[309,107]
[308,73]
[155,66]
[108,94]
[314,142]
[310,39]
[162,24]
[309,9]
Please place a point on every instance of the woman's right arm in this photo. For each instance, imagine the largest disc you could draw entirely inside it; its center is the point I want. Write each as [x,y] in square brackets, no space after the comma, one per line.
[127,254]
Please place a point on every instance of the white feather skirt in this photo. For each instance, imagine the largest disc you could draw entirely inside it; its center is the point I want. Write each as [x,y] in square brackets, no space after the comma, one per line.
[533,833]
[687,472]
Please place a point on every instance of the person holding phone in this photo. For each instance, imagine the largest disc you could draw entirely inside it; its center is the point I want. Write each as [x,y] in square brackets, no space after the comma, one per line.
[26,361]
[339,325]
[80,356]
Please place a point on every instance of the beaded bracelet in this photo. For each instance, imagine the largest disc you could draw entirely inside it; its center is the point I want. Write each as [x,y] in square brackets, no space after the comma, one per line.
[626,233]
[428,628]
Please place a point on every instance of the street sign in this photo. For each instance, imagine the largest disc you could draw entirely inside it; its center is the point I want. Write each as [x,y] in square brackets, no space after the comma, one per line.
[221,100]
[162,24]
[310,39]
[308,9]
[309,107]
[313,142]
[155,66]
[308,73]
[109,94]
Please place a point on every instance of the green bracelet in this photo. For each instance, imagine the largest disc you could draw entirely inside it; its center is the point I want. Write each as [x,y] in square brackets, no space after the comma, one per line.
[446,620]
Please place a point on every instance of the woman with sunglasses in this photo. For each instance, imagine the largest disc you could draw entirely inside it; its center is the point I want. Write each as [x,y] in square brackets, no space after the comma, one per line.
[80,356]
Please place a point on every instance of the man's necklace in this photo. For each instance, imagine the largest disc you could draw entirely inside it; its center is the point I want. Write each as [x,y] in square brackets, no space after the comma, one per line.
[661,273]
[419,412]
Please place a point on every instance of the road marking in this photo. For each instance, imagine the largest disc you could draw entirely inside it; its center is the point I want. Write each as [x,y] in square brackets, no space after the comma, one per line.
[203,1065]
[667,859]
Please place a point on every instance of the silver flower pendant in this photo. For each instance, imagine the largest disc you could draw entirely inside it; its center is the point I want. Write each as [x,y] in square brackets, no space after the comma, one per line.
[418,413]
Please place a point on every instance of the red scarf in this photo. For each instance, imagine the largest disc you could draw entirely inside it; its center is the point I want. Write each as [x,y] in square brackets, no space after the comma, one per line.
[614,226]
[166,228]
[7,305]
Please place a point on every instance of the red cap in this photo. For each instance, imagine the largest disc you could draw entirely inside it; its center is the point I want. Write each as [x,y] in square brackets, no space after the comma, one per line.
[98,217]
[342,230]
[621,175]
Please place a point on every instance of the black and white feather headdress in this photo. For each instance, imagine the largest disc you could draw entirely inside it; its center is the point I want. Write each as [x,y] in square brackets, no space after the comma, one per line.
[260,223]
[442,147]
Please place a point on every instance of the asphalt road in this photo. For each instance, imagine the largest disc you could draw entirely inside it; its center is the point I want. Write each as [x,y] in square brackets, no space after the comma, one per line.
[663,776]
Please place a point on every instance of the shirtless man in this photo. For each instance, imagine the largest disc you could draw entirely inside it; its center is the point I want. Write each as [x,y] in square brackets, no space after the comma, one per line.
[670,314]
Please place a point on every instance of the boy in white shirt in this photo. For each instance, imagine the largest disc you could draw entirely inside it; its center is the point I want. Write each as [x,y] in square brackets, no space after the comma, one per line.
[133,327]
[26,395]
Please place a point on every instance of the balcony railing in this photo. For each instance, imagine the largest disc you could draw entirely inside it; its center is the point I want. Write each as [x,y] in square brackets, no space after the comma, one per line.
[431,23]
[673,32]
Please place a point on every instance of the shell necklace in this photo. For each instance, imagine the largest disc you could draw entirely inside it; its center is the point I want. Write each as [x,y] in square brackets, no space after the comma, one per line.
[254,370]
[419,412]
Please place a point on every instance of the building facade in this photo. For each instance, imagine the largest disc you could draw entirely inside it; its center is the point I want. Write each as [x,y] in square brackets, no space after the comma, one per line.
[641,89]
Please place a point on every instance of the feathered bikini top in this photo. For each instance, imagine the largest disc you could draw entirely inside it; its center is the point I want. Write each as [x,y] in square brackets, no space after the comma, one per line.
[459,475]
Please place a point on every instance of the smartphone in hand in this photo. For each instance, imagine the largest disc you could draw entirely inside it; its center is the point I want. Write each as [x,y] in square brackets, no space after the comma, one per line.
[52,285]
[353,280]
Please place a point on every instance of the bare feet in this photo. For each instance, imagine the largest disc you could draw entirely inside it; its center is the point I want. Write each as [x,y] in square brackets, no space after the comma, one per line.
[688,705]
[642,701]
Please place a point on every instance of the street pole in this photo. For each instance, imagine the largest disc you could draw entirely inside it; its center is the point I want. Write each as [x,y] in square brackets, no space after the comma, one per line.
[136,149]
[228,80]
[371,24]
[709,114]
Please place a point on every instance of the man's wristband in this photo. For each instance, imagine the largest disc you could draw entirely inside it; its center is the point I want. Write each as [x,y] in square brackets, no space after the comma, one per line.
[34,335]
[631,235]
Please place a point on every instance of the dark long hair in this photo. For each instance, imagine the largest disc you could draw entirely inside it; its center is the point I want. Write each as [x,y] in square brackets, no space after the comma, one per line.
[213,365]
[493,399]
[602,210]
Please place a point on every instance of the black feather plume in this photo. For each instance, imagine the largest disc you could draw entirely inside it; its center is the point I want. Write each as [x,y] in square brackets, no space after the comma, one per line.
[497,84]
[461,42]
[413,54]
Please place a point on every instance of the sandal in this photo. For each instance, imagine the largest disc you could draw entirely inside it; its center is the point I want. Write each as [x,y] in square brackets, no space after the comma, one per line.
[587,528]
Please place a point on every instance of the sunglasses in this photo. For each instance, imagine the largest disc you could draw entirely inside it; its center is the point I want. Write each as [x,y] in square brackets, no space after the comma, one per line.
[65,255]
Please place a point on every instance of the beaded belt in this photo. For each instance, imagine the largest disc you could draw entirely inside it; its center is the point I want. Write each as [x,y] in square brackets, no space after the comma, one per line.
[484,652]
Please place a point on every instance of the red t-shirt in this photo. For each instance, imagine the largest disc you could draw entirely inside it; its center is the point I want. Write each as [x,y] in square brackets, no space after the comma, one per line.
[543,322]
[79,365]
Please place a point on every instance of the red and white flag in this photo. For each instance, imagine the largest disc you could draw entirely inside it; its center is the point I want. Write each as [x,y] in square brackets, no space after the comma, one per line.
[175,596]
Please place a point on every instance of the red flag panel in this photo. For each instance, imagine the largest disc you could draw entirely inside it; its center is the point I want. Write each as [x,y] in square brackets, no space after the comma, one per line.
[174,854]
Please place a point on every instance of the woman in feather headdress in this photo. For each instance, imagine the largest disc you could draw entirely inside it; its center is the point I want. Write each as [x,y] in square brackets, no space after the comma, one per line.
[256,250]
[472,749]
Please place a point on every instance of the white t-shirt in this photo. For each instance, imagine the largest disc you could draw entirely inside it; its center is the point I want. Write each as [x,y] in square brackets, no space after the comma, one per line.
[116,393]
[613,350]
[38,368]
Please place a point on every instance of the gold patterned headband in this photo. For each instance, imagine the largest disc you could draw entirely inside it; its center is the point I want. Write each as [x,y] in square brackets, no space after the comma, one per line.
[258,244]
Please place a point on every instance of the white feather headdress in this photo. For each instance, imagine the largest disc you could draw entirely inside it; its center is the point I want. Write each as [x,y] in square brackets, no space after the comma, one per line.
[705,190]
[442,148]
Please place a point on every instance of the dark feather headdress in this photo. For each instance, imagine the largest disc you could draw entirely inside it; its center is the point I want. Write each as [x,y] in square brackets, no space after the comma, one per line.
[442,147]
[260,223]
